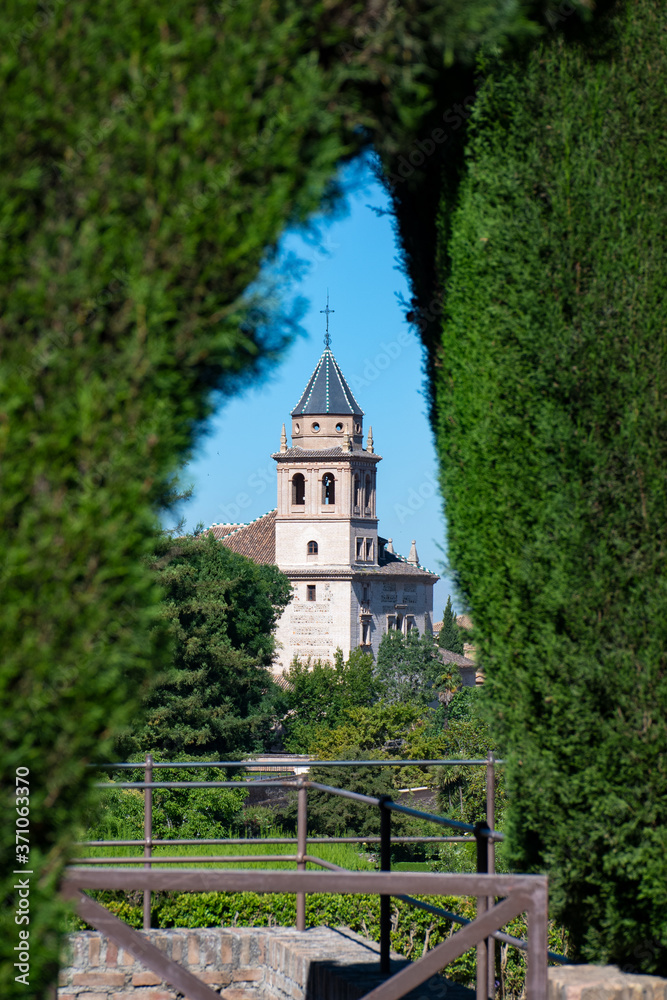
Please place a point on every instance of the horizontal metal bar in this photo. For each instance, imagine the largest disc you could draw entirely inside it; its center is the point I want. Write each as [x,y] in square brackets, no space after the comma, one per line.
[181,859]
[258,880]
[278,782]
[283,764]
[237,841]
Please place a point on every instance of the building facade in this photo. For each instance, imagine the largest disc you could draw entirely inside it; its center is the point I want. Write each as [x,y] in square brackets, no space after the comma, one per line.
[349,586]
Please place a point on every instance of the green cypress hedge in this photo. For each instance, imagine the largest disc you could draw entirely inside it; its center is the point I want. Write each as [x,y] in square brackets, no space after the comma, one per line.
[550,395]
[151,156]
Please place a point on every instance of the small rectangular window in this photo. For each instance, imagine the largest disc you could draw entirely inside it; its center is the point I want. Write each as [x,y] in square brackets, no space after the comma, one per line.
[365,633]
[360,547]
[391,623]
[369,549]
[311,592]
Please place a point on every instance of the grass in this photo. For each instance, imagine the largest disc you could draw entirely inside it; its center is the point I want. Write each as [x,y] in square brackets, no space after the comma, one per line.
[345,855]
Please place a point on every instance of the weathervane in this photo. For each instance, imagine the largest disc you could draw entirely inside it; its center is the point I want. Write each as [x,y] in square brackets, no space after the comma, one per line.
[327,338]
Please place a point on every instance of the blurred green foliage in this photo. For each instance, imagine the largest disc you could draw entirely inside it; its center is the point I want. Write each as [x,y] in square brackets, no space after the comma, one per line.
[151,158]
[550,392]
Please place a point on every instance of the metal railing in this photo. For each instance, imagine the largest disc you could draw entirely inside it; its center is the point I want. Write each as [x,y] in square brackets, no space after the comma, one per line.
[482,885]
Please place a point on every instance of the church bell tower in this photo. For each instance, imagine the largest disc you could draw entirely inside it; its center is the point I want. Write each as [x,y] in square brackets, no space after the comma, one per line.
[326,511]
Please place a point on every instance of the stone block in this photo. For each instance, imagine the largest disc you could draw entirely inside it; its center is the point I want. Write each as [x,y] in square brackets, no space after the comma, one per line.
[177,948]
[247,975]
[226,950]
[603,982]
[112,954]
[94,951]
[209,950]
[98,979]
[163,942]
[193,949]
[146,979]
[215,977]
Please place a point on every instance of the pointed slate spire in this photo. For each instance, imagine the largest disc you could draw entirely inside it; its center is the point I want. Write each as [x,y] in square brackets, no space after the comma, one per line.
[283,440]
[413,558]
[327,391]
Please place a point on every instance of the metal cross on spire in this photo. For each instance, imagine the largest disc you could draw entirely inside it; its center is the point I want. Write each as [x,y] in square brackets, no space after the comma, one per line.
[327,338]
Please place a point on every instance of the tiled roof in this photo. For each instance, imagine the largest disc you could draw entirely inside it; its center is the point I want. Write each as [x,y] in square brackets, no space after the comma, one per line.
[256,540]
[398,568]
[389,560]
[327,391]
[447,656]
[222,530]
[337,452]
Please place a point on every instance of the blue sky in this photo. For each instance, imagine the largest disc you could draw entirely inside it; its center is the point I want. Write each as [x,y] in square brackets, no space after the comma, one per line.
[233,476]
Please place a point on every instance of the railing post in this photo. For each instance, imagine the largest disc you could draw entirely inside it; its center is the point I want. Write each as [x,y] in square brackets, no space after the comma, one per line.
[301,849]
[385,901]
[148,834]
[536,973]
[491,844]
[481,829]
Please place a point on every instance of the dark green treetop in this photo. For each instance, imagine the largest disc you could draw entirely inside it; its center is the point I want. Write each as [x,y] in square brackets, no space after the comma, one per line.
[450,634]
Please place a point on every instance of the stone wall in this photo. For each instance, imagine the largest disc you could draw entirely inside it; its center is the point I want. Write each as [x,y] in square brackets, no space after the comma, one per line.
[603,982]
[245,963]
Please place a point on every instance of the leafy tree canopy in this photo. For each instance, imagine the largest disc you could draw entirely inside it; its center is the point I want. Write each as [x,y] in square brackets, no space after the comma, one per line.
[406,668]
[178,813]
[219,610]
